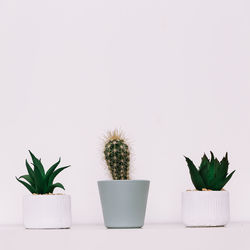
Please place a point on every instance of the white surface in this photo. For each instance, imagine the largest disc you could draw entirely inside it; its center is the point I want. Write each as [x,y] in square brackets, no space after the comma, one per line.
[205,208]
[47,211]
[160,237]
[174,74]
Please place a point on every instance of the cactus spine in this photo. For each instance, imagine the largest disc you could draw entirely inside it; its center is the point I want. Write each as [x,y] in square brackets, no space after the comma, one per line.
[117,155]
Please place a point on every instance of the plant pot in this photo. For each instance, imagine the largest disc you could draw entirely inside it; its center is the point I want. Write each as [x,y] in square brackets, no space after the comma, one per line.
[205,208]
[47,211]
[123,202]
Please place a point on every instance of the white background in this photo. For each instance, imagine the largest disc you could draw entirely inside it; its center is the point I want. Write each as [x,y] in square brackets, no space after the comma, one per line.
[173,74]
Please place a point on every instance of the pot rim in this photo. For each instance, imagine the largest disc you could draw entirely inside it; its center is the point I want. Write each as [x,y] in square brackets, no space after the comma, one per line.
[103,181]
[205,191]
[46,195]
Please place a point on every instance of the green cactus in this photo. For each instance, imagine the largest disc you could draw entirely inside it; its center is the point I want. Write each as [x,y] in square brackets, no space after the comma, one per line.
[211,175]
[117,156]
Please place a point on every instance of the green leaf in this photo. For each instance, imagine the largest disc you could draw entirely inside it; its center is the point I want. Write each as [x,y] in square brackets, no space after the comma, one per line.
[38,163]
[39,180]
[28,179]
[51,170]
[195,176]
[211,172]
[204,161]
[29,187]
[220,185]
[224,166]
[56,185]
[216,177]
[204,167]
[212,155]
[220,173]
[54,174]
[30,171]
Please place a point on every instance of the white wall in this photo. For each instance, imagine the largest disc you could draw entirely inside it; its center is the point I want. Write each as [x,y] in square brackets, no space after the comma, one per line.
[173,74]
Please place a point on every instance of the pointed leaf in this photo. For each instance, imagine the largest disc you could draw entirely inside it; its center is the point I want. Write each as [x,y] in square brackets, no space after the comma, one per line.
[28,179]
[38,163]
[39,180]
[204,161]
[195,176]
[224,166]
[220,185]
[211,173]
[56,185]
[54,174]
[30,171]
[212,155]
[216,175]
[51,170]
[203,169]
[29,187]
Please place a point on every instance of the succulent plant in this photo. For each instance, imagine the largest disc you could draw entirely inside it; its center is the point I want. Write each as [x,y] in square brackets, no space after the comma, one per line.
[117,155]
[39,182]
[212,174]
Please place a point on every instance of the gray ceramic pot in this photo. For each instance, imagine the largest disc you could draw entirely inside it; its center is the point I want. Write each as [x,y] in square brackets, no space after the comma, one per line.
[123,202]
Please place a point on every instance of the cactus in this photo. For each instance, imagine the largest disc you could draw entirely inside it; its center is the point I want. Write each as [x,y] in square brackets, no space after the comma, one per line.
[39,182]
[117,155]
[211,175]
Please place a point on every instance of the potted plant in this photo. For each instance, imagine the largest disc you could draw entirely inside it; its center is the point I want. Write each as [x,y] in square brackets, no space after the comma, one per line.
[44,209]
[208,205]
[123,200]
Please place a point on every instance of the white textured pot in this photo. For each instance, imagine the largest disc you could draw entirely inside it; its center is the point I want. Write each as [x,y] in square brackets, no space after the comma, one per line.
[47,211]
[205,208]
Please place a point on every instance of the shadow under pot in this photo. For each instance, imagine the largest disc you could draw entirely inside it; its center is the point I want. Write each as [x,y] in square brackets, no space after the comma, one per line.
[124,202]
[47,211]
[205,208]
